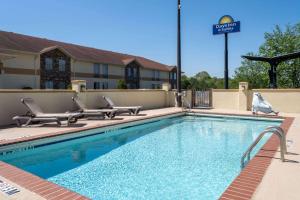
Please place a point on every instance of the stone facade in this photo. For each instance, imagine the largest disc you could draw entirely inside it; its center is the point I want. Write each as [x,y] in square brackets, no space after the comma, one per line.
[61,79]
[132,75]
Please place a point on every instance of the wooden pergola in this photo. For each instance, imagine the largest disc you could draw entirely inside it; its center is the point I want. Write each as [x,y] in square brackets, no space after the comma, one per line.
[274,62]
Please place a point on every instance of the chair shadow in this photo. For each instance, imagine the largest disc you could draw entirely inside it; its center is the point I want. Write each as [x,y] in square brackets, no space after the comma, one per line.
[126,114]
[288,153]
[102,119]
[62,126]
[285,160]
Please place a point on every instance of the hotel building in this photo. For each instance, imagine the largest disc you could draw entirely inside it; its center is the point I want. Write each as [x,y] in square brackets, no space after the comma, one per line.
[32,62]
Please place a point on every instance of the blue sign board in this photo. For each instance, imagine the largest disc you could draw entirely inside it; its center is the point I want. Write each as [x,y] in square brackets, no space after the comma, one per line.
[231,27]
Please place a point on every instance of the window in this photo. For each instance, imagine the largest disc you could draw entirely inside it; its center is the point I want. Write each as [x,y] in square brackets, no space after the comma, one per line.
[155,75]
[1,68]
[105,70]
[100,85]
[105,85]
[156,86]
[62,85]
[48,84]
[96,85]
[48,63]
[174,75]
[128,71]
[96,70]
[135,73]
[62,65]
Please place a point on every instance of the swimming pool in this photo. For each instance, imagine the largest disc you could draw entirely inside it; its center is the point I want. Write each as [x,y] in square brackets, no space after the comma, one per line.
[187,157]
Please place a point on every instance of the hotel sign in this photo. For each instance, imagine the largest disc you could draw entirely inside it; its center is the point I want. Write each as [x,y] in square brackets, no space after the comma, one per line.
[226,25]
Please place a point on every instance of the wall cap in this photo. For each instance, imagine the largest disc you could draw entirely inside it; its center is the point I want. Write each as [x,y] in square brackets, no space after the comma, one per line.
[225,90]
[126,90]
[275,90]
[34,91]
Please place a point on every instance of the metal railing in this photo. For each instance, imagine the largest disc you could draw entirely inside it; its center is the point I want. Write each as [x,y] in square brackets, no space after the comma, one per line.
[272,129]
[185,103]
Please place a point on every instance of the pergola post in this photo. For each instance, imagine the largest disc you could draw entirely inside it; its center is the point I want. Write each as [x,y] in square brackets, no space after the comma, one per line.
[274,62]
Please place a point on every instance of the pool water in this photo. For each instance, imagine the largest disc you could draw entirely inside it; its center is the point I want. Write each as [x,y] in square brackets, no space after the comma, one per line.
[186,157]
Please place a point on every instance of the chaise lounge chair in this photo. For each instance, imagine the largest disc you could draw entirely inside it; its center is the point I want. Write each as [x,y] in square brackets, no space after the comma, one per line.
[36,115]
[260,104]
[130,109]
[110,113]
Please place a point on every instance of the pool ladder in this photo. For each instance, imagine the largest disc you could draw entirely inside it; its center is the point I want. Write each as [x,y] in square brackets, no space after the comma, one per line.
[272,129]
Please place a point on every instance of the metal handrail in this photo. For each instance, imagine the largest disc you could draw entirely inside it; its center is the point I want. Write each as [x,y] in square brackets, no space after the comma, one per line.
[279,132]
[278,128]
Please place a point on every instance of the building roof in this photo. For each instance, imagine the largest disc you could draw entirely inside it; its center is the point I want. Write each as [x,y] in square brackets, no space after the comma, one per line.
[19,42]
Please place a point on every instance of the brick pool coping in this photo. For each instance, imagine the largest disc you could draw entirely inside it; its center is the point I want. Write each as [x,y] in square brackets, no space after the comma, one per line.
[76,130]
[33,183]
[245,184]
[242,187]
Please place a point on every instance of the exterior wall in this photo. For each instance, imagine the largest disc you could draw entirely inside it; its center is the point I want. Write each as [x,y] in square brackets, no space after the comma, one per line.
[282,100]
[147,78]
[20,71]
[19,81]
[61,100]
[24,71]
[49,101]
[149,99]
[225,99]
[85,71]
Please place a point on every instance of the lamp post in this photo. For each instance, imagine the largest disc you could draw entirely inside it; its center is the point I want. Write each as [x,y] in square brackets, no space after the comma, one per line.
[226,85]
[178,55]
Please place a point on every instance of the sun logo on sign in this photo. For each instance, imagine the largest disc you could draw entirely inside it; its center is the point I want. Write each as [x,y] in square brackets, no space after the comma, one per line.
[226,19]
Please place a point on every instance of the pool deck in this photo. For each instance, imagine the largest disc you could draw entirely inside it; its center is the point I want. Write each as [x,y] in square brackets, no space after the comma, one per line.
[272,180]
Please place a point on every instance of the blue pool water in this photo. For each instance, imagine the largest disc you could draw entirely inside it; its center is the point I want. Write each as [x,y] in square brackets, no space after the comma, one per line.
[186,157]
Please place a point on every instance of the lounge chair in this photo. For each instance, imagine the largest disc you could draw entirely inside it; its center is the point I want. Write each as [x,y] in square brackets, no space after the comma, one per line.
[36,115]
[130,109]
[260,104]
[110,113]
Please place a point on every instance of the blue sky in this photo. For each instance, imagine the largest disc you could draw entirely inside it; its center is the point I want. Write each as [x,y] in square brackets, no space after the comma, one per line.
[148,27]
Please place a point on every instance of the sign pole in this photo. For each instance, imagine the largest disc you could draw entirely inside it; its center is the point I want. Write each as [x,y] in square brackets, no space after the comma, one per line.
[226,85]
[178,55]
[226,25]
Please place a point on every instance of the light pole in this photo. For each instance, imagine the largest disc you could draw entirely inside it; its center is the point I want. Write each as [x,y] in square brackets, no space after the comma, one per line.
[178,55]
[226,85]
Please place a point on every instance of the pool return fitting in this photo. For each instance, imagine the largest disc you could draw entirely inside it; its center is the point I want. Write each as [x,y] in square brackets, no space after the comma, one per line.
[274,130]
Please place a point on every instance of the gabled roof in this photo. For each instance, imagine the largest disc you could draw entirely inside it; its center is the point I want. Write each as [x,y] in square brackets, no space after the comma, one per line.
[19,42]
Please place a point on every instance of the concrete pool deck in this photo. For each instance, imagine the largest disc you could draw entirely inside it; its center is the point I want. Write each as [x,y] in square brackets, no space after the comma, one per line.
[280,181]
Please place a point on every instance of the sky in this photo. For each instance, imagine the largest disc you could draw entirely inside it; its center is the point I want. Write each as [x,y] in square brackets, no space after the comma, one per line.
[148,27]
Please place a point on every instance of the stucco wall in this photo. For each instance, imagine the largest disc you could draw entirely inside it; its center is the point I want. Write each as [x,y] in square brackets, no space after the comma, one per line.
[19,72]
[23,61]
[149,99]
[283,100]
[19,81]
[61,100]
[225,99]
[49,101]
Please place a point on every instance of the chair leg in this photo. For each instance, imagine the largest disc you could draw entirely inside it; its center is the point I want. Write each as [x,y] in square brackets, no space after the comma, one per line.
[59,123]
[18,122]
[112,115]
[28,122]
[136,112]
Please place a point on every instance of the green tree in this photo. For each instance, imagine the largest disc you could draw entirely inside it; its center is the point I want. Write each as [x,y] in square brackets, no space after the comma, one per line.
[276,43]
[121,84]
[255,73]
